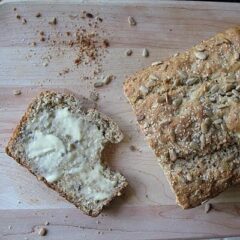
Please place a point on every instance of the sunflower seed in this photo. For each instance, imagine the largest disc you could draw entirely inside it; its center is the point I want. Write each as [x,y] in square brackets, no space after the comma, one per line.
[201,55]
[228,87]
[236,99]
[157,63]
[202,141]
[205,125]
[153,77]
[143,90]
[140,117]
[218,121]
[168,99]
[221,106]
[42,231]
[200,48]
[172,154]
[238,88]
[189,177]
[177,82]
[214,89]
[145,52]
[108,79]
[193,145]
[182,74]
[161,99]
[131,21]
[98,84]
[17,92]
[192,81]
[229,94]
[172,135]
[177,102]
[165,122]
[236,56]
[208,207]
[213,99]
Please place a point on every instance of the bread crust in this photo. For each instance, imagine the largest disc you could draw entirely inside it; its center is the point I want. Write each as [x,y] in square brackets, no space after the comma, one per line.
[95,116]
[187,107]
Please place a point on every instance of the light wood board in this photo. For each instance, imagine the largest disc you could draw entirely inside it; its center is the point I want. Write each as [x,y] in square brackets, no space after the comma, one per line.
[147,210]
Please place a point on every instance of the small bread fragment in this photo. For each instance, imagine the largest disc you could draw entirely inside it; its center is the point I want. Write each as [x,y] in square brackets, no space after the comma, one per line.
[60,141]
[188,107]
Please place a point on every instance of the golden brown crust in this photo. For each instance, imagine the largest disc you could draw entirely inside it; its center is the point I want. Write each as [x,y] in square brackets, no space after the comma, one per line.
[96,116]
[188,108]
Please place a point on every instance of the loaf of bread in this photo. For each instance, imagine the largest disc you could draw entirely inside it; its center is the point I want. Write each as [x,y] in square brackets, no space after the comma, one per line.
[188,107]
[60,141]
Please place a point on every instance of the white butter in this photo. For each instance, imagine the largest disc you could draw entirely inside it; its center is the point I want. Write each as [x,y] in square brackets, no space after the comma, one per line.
[55,159]
[68,125]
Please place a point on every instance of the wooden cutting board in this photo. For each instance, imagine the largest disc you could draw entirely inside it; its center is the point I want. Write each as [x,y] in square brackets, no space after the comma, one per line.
[147,210]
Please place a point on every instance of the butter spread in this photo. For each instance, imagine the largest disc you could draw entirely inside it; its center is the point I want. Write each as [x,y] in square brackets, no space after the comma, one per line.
[64,145]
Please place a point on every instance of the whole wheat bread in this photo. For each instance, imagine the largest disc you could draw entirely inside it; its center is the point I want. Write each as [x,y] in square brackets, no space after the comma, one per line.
[60,141]
[188,108]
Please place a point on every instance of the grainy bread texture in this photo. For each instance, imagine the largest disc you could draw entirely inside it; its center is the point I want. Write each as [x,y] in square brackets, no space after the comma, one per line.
[188,107]
[61,142]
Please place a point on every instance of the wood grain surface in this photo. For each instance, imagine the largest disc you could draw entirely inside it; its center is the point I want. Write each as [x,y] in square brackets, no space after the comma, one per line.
[147,210]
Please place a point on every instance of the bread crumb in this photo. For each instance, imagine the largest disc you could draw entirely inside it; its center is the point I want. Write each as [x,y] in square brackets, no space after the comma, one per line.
[207,207]
[94,96]
[24,21]
[42,231]
[89,15]
[53,21]
[39,178]
[106,43]
[17,92]
[129,52]
[132,148]
[38,15]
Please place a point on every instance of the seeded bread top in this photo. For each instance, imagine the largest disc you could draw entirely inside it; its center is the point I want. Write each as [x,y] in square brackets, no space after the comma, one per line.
[188,107]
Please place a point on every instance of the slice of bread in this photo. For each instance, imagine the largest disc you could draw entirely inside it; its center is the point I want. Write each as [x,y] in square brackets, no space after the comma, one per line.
[60,142]
[188,108]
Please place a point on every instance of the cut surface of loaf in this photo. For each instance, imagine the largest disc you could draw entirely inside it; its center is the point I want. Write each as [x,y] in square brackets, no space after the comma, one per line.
[188,107]
[61,141]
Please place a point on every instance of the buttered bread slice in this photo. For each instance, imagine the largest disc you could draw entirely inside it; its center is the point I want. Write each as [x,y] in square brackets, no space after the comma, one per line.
[61,142]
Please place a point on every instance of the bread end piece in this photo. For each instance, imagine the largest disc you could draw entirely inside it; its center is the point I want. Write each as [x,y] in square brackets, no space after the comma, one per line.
[188,108]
